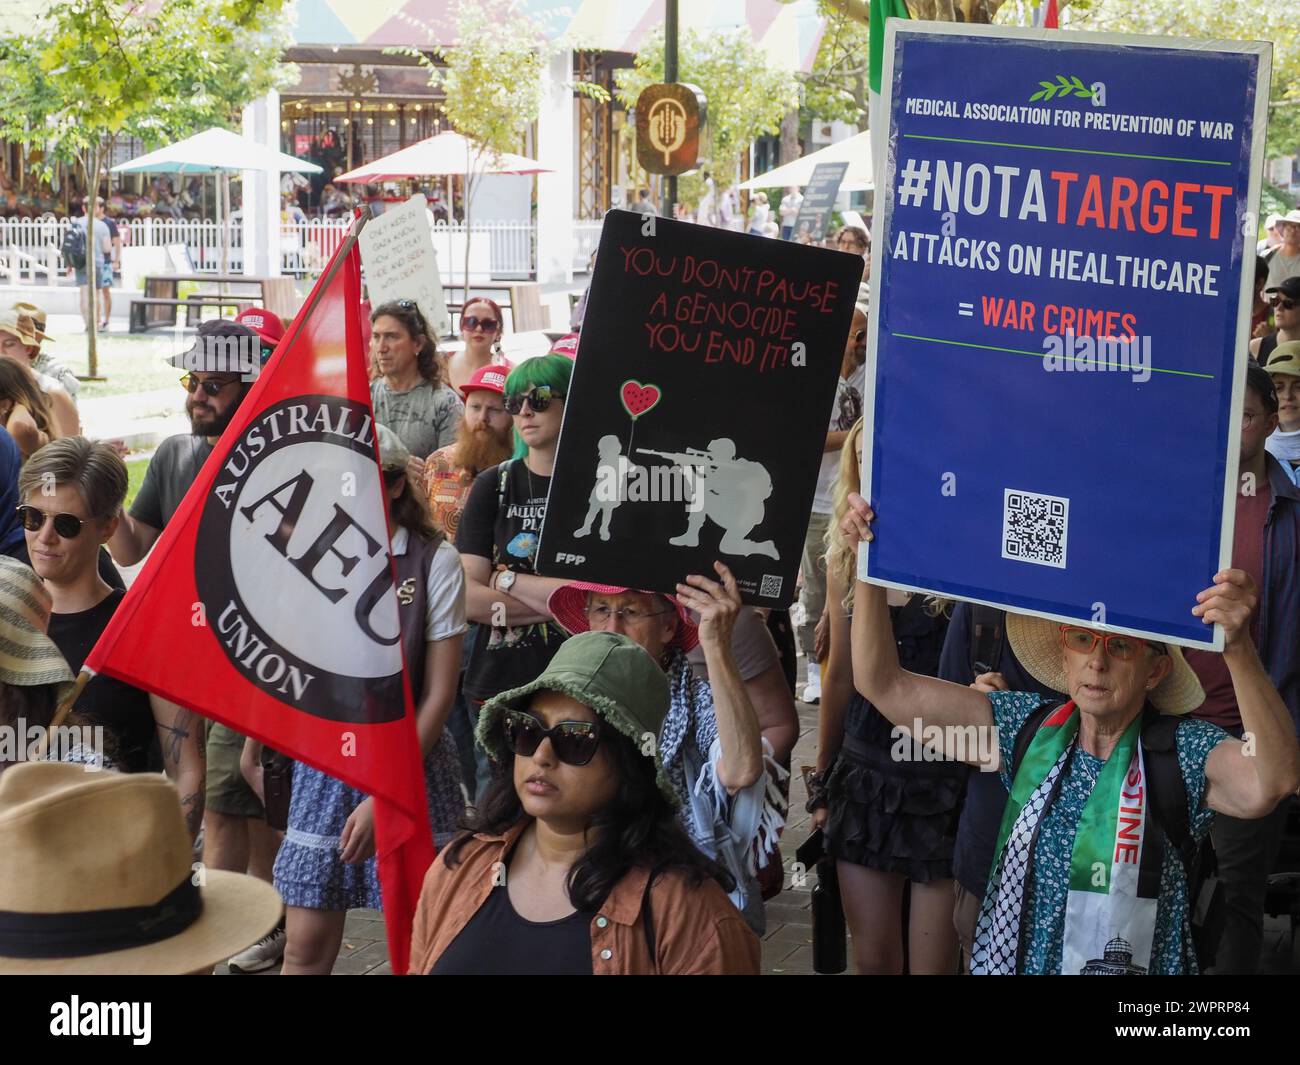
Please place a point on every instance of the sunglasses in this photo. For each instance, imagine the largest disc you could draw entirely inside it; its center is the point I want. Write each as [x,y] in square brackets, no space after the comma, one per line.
[67,526]
[213,388]
[1286,305]
[1119,647]
[539,399]
[471,322]
[574,742]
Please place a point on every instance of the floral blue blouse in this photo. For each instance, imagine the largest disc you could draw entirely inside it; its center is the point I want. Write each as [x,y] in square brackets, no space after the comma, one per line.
[1171,952]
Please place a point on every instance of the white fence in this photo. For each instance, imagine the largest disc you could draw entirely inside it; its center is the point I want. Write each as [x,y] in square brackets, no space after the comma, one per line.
[31,248]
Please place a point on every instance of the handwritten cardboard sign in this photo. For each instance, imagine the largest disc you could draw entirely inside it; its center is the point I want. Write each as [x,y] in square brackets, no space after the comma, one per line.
[401,264]
[696,418]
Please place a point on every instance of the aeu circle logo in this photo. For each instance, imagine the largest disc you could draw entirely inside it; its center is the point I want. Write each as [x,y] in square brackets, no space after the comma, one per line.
[292,563]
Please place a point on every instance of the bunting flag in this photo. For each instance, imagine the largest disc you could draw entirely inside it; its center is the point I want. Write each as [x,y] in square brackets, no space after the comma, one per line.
[268,603]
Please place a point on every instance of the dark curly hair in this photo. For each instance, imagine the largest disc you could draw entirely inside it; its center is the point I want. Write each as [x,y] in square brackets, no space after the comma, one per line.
[639,828]
[408,313]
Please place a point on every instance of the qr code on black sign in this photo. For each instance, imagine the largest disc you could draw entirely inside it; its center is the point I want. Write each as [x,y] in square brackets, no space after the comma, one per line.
[770,586]
[1034,527]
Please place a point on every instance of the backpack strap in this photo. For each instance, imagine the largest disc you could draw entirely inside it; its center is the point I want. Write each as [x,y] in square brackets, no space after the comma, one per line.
[986,636]
[503,477]
[1167,790]
[1025,736]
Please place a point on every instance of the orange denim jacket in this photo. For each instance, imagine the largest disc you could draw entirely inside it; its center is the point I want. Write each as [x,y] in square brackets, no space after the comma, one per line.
[697,929]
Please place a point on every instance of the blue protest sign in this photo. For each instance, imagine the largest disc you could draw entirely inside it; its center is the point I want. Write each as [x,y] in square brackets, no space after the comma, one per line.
[1059,320]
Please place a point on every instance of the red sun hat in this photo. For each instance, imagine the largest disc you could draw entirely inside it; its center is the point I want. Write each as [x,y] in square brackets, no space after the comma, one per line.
[264,323]
[490,378]
[566,346]
[567,605]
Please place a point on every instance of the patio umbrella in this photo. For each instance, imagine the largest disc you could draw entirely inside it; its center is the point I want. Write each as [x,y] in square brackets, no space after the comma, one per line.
[444,154]
[855,150]
[216,151]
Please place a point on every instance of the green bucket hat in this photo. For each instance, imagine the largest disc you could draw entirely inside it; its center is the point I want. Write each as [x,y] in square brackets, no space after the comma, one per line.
[607,672]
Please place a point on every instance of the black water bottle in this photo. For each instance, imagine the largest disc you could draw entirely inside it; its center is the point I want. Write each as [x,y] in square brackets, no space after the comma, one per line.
[829,947]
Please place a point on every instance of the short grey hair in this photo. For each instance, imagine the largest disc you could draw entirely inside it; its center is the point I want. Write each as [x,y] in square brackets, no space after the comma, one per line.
[92,467]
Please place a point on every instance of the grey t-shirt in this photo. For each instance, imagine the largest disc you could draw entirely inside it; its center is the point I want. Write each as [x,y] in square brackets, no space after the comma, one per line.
[171,471]
[1280,267]
[424,418]
[751,643]
[101,238]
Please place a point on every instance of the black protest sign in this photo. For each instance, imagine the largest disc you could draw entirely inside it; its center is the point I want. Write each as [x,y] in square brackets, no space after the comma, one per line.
[696,418]
[819,200]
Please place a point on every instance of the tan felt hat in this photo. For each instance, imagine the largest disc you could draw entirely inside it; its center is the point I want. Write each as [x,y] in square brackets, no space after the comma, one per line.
[37,316]
[1037,643]
[97,878]
[19,325]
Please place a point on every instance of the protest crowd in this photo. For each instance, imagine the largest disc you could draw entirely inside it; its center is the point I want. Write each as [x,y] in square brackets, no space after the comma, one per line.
[607,768]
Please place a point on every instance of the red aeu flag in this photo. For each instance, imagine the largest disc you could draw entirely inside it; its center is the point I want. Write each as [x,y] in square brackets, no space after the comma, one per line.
[268,602]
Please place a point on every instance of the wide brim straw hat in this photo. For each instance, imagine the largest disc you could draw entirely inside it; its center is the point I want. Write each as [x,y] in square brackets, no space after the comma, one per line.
[94,858]
[28,657]
[1037,644]
[568,606]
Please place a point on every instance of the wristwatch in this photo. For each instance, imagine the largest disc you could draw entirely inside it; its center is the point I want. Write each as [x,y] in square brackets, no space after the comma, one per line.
[506,580]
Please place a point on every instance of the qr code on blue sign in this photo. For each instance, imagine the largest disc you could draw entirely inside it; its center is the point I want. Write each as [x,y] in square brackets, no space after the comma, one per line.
[1034,527]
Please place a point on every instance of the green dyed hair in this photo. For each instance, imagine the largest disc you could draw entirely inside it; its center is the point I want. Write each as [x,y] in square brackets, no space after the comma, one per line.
[554,370]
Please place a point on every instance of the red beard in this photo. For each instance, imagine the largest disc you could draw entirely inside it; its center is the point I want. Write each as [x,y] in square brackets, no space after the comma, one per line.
[477,449]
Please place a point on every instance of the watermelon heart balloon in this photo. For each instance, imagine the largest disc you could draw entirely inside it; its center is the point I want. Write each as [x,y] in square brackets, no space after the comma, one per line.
[638,399]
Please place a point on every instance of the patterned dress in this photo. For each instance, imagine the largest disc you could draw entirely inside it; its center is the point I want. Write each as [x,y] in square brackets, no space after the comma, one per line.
[1044,913]
[308,872]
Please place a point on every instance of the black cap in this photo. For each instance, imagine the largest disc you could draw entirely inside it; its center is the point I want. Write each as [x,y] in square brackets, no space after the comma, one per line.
[222,346]
[1289,288]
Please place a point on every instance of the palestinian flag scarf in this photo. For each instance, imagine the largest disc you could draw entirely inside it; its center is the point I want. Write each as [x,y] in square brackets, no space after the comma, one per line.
[1114,882]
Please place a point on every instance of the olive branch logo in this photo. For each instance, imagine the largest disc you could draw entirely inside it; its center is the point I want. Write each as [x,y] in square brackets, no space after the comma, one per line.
[1063,87]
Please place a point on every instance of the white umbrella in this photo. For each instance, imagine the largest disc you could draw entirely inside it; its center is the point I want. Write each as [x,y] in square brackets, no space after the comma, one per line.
[215,151]
[856,151]
[446,153]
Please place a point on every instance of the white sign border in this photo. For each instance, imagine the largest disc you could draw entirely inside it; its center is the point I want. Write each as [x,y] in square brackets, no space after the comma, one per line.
[885,175]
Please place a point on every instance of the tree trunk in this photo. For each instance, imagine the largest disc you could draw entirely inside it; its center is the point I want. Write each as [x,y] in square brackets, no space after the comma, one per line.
[789,147]
[90,168]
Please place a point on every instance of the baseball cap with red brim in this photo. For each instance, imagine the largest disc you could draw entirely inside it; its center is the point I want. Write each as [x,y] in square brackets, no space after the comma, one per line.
[568,605]
[264,323]
[566,346]
[490,378]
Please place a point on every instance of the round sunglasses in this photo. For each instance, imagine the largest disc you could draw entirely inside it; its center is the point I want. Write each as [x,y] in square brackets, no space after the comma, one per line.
[67,526]
[471,322]
[574,742]
[539,399]
[212,387]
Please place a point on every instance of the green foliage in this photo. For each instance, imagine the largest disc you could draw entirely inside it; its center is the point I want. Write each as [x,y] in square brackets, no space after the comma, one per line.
[93,69]
[836,89]
[1065,85]
[1229,20]
[747,97]
[493,75]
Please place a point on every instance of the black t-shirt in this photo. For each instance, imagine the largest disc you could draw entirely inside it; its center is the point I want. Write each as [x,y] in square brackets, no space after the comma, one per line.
[498,942]
[506,657]
[122,710]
